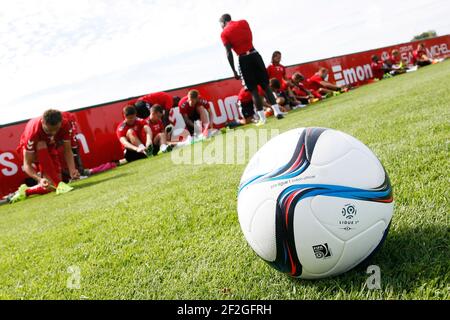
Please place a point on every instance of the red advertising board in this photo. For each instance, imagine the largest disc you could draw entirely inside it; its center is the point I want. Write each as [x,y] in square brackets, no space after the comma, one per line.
[98,123]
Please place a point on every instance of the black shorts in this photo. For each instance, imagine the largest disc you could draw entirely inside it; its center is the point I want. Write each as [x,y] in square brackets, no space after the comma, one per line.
[155,149]
[131,155]
[248,110]
[253,70]
[423,63]
[194,116]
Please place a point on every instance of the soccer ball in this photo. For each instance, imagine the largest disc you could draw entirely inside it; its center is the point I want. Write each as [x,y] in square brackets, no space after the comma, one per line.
[315,202]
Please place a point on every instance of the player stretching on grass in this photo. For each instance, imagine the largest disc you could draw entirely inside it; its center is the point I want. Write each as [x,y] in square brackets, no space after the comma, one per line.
[193,108]
[132,134]
[158,134]
[38,147]
[237,35]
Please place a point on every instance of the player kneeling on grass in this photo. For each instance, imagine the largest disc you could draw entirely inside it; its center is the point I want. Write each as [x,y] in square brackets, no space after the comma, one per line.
[246,105]
[158,134]
[133,133]
[193,107]
[38,146]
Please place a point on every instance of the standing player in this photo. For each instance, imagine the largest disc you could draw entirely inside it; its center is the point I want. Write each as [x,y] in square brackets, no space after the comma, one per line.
[158,134]
[193,107]
[237,35]
[133,133]
[38,147]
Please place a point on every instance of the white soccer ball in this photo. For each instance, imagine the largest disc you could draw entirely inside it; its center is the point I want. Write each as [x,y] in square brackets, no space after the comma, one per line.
[315,202]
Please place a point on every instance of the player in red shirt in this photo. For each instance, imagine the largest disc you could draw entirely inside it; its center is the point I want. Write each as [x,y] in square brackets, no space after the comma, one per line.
[134,135]
[143,104]
[318,83]
[286,101]
[158,134]
[237,36]
[245,102]
[420,57]
[303,94]
[396,63]
[277,70]
[193,107]
[379,67]
[38,147]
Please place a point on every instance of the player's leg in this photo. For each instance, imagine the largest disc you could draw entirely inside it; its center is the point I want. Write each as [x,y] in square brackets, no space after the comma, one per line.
[262,78]
[131,155]
[203,117]
[133,138]
[248,112]
[247,68]
[50,168]
[49,163]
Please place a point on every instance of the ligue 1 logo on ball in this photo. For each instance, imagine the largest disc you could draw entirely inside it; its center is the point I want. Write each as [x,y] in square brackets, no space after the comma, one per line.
[349,211]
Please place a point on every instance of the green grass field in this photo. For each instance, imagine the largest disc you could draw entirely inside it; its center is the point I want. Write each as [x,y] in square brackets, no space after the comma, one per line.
[152,230]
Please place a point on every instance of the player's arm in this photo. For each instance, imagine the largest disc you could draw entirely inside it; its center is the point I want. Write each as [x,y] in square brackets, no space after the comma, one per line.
[149,134]
[28,165]
[329,85]
[29,170]
[188,121]
[128,145]
[231,60]
[68,156]
[211,126]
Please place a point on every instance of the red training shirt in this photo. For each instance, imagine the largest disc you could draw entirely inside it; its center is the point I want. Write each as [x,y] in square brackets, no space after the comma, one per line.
[156,127]
[186,108]
[238,35]
[377,69]
[34,132]
[314,82]
[138,127]
[162,98]
[245,96]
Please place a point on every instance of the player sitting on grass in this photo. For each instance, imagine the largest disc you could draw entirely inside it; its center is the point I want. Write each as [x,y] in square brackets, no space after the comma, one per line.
[396,63]
[284,100]
[133,133]
[379,67]
[193,107]
[158,134]
[318,83]
[420,57]
[301,93]
[39,149]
